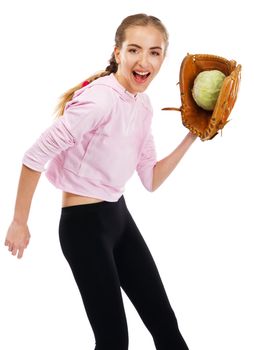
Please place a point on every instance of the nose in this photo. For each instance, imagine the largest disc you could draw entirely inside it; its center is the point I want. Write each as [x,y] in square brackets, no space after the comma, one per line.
[143,60]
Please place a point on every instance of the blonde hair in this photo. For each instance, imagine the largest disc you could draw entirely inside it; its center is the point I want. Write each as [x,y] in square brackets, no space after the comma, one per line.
[140,19]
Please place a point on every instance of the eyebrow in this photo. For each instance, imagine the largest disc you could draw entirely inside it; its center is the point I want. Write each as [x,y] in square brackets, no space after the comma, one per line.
[151,48]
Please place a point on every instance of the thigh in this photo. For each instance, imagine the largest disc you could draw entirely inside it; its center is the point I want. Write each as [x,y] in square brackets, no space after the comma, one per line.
[90,256]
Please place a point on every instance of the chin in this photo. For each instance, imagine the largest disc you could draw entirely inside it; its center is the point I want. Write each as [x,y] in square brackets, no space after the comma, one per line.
[139,88]
[142,88]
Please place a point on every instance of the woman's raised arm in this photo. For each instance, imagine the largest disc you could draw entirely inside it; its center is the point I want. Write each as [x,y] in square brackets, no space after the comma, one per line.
[165,166]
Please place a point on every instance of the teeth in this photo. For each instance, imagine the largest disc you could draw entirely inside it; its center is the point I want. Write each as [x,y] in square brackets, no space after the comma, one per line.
[142,73]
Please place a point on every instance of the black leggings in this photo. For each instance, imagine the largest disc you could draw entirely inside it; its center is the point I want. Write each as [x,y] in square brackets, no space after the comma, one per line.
[106,251]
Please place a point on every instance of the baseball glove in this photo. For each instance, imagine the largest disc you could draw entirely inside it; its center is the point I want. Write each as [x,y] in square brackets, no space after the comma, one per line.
[200,122]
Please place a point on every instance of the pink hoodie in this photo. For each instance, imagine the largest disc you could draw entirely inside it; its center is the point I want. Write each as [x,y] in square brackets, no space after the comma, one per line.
[101,139]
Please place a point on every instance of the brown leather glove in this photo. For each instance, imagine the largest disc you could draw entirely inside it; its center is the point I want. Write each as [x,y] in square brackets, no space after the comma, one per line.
[200,122]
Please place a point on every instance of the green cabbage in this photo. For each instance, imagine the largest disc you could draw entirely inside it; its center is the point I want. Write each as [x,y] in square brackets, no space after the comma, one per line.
[206,88]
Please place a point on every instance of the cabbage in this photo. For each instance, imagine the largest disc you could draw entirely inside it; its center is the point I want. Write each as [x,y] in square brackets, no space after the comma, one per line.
[206,88]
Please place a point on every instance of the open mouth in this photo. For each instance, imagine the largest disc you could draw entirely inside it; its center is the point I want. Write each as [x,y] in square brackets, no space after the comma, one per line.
[140,77]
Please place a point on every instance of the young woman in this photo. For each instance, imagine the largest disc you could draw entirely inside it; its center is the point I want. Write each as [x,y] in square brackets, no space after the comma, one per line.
[102,136]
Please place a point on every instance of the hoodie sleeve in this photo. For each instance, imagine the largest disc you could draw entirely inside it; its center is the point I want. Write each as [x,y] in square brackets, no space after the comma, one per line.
[147,161]
[84,113]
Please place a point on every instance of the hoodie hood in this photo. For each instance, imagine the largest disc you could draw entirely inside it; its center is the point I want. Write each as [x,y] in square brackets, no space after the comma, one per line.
[113,83]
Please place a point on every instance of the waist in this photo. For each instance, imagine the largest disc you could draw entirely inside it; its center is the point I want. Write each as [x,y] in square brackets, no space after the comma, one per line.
[70,199]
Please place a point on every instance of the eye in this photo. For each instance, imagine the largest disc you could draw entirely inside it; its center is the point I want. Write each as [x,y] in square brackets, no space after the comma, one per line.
[155,53]
[133,50]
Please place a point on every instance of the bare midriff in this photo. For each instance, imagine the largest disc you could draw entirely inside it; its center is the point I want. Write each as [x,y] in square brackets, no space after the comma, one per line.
[69,199]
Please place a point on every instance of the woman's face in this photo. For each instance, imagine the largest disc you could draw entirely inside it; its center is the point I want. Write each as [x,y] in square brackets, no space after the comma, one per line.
[140,57]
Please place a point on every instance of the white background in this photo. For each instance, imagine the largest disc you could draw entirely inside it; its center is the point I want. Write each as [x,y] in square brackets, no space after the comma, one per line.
[198,224]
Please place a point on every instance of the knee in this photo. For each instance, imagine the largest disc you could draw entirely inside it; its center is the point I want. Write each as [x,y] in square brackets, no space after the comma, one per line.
[170,339]
[113,342]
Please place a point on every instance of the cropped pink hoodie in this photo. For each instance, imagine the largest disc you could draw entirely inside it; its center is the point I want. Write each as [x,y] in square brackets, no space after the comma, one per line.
[103,136]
